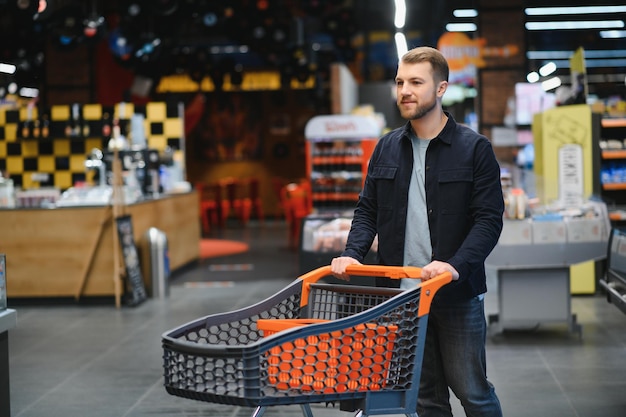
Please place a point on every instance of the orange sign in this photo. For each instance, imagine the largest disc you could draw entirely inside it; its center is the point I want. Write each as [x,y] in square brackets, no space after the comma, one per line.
[465,55]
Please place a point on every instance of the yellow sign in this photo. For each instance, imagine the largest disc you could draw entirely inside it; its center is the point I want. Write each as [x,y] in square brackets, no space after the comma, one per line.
[577,61]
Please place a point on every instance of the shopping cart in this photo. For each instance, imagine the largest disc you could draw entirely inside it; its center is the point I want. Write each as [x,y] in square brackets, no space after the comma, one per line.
[312,342]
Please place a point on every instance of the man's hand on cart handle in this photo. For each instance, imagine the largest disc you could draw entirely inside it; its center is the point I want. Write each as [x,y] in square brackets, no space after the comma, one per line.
[338,266]
[437,268]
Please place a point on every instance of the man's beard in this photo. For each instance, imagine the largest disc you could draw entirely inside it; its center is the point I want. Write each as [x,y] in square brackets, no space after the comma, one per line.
[419,112]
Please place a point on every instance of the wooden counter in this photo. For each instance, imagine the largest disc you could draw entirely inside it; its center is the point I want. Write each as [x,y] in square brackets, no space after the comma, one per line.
[68,252]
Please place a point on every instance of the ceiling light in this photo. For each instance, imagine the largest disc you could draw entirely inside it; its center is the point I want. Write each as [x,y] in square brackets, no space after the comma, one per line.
[465,13]
[147,48]
[612,34]
[23,4]
[92,25]
[547,69]
[582,24]
[401,45]
[29,92]
[593,53]
[134,9]
[595,63]
[551,84]
[544,11]
[120,45]
[461,27]
[532,77]
[210,19]
[7,68]
[400,17]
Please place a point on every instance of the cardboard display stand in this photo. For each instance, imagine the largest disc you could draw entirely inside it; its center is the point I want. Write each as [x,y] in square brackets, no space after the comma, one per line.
[129,266]
[134,291]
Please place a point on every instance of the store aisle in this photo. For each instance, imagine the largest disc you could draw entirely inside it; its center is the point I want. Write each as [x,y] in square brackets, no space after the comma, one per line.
[69,360]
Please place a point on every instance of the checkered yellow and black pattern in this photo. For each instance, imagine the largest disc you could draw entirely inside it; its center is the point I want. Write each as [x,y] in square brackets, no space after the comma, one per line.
[57,141]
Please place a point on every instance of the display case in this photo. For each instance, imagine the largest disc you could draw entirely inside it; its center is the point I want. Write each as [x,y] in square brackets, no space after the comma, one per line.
[566,168]
[76,244]
[338,148]
[533,259]
[323,237]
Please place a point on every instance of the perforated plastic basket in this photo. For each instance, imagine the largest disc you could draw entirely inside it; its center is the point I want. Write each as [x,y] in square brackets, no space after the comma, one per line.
[357,358]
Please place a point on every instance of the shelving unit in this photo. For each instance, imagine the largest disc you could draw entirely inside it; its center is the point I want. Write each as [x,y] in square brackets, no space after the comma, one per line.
[336,174]
[338,149]
[567,169]
[613,162]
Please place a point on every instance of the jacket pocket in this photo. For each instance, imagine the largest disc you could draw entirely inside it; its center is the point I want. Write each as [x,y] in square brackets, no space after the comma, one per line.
[384,172]
[384,177]
[455,190]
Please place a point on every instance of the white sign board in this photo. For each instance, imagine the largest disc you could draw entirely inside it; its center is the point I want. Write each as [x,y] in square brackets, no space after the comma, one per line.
[341,126]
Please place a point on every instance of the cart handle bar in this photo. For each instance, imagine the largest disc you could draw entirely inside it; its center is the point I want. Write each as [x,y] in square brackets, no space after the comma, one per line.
[429,287]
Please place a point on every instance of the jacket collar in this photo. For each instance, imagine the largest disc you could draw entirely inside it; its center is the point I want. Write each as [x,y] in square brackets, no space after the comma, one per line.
[445,135]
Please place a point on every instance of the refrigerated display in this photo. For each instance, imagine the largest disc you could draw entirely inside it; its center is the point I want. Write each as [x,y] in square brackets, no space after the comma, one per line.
[338,148]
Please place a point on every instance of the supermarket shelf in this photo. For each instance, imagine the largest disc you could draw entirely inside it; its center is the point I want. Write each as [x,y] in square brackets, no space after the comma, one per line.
[337,160]
[614,186]
[614,122]
[614,154]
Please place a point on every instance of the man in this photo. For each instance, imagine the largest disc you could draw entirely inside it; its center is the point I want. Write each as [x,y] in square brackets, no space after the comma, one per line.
[433,196]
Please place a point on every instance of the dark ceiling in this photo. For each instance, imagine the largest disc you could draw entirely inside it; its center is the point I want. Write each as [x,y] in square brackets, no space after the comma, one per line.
[605,59]
[298,37]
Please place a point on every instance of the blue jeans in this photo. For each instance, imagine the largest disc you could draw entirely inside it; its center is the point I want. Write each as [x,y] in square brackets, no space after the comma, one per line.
[454,357]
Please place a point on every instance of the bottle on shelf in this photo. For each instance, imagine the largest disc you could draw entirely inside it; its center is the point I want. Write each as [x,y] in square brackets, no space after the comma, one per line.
[45,126]
[117,141]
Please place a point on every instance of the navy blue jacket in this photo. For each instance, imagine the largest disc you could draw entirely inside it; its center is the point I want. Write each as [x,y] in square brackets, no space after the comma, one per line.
[463,197]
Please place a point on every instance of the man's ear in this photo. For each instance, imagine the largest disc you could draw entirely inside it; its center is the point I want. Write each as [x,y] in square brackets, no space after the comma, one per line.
[443,86]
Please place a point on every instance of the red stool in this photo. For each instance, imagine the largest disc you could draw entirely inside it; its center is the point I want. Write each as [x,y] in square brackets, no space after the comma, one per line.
[222,189]
[255,198]
[208,206]
[242,204]
[297,198]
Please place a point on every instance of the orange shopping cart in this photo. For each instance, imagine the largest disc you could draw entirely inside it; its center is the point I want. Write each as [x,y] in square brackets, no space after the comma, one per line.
[312,342]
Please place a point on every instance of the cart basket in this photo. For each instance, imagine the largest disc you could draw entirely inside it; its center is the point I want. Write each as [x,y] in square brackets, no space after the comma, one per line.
[312,342]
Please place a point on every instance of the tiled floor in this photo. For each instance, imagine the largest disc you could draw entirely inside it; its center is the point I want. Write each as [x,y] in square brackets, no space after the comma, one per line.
[69,360]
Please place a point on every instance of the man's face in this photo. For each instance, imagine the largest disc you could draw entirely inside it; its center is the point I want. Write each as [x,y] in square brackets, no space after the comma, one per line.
[416,90]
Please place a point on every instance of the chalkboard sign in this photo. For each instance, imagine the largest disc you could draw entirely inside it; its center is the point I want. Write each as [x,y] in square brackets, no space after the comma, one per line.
[135,290]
